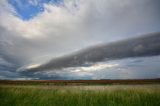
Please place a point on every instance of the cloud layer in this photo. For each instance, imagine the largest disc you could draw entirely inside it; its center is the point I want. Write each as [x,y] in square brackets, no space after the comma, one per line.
[147,45]
[70,26]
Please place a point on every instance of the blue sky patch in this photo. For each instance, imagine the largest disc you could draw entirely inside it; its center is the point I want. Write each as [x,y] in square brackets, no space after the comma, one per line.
[26,9]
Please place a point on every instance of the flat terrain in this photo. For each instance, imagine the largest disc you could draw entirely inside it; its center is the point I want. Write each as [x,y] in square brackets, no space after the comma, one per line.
[80,95]
[79,82]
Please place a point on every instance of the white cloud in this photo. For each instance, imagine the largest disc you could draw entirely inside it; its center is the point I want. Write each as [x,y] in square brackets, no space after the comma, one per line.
[95,67]
[34,2]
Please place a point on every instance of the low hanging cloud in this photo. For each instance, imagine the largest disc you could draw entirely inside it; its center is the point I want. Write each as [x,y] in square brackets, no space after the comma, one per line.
[148,45]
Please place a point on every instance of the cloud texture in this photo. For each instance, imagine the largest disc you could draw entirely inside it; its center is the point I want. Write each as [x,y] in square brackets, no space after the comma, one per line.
[147,45]
[72,25]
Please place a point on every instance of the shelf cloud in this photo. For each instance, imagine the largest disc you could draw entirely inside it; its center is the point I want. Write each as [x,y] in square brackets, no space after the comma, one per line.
[148,45]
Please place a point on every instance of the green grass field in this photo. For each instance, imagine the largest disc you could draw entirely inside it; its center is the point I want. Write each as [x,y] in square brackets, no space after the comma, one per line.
[111,95]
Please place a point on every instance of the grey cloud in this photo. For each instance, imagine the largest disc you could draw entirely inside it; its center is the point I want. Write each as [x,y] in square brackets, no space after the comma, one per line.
[128,68]
[7,70]
[65,29]
[93,22]
[131,68]
[148,45]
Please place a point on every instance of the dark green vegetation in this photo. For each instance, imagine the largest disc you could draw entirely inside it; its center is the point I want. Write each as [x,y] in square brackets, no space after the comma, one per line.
[111,95]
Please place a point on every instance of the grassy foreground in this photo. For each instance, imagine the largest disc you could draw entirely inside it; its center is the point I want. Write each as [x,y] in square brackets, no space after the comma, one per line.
[70,96]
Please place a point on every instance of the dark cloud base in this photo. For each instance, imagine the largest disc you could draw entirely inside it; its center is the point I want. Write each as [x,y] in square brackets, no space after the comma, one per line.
[147,45]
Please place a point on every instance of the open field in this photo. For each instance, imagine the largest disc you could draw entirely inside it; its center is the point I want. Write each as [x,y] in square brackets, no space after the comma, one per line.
[80,95]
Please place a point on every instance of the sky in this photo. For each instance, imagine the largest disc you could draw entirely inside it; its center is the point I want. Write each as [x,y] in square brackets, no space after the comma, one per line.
[79,39]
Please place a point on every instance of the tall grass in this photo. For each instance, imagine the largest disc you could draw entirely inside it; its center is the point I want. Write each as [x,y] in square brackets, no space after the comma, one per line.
[28,96]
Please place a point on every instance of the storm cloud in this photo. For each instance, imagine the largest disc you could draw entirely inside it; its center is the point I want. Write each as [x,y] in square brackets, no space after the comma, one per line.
[148,45]
[64,37]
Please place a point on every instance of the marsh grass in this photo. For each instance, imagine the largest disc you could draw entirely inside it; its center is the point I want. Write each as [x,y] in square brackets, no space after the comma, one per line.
[30,96]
